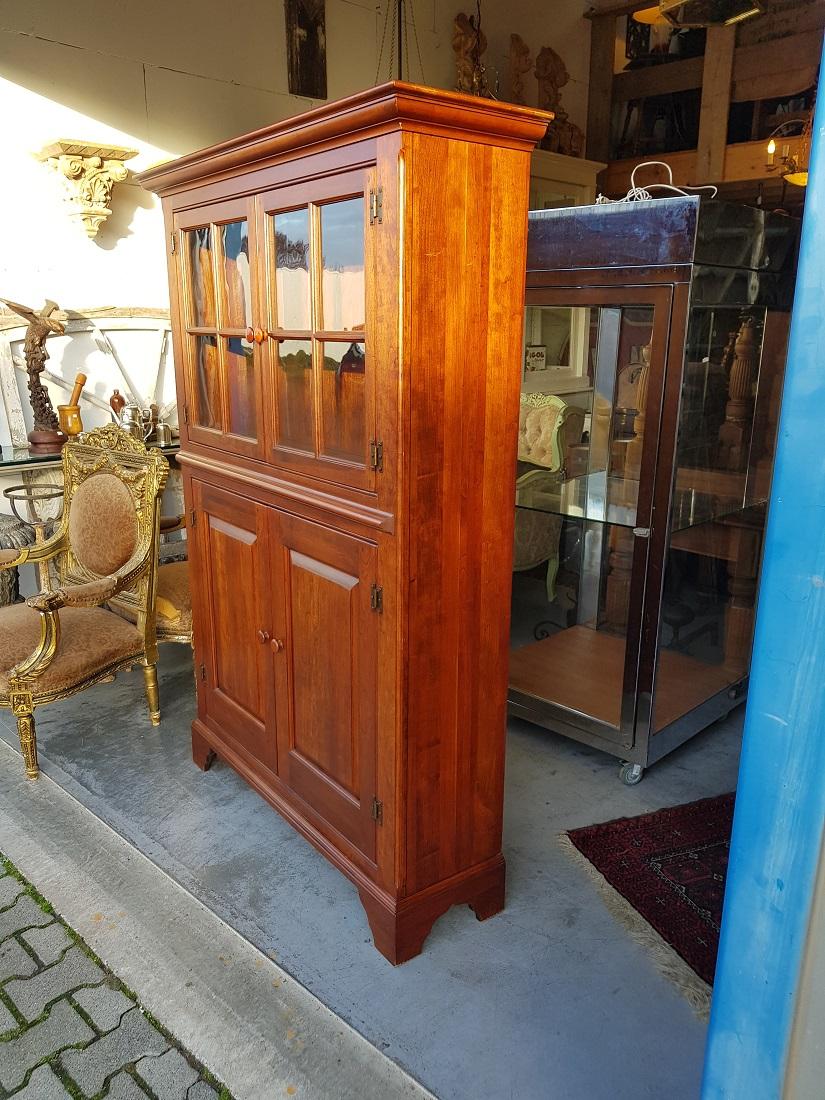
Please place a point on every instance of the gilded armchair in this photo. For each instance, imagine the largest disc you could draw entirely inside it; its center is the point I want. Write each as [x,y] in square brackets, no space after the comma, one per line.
[61,641]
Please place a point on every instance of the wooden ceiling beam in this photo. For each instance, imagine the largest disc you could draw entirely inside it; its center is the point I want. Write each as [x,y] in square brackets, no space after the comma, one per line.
[615,10]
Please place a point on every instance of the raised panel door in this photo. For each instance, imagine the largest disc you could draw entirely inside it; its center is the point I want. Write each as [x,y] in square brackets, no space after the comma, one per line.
[326,672]
[233,639]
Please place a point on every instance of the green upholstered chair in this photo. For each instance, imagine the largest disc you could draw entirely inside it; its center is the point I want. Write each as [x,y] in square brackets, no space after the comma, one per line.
[547,427]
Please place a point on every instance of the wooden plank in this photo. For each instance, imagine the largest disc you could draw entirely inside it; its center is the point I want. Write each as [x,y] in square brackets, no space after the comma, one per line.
[616,9]
[781,67]
[743,161]
[715,107]
[761,71]
[784,17]
[600,97]
[673,76]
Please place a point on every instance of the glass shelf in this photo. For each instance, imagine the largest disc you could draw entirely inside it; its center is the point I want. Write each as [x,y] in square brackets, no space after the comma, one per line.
[20,458]
[594,496]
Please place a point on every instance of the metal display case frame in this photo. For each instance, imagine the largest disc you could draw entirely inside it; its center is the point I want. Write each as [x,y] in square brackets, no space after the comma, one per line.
[680,258]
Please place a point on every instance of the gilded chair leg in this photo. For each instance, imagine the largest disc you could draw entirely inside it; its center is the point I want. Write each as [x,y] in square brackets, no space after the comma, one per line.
[28,744]
[150,676]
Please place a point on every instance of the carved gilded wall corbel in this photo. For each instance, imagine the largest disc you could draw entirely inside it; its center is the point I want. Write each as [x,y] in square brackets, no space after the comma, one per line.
[90,171]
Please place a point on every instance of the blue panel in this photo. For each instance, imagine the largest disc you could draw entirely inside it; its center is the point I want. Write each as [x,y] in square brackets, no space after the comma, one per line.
[780,808]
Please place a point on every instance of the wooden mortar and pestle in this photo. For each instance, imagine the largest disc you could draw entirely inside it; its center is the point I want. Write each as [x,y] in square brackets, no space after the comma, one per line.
[69,415]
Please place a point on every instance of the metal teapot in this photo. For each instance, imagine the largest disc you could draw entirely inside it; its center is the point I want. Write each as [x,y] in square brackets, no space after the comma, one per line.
[136,421]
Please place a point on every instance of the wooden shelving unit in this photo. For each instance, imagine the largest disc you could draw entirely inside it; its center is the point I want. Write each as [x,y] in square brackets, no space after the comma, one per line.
[733,69]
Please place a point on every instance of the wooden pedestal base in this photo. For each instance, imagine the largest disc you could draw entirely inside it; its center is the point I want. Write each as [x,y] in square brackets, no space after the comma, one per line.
[44,441]
[399,930]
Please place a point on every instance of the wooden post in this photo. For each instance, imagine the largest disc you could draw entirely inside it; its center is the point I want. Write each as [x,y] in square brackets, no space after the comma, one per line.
[600,96]
[713,114]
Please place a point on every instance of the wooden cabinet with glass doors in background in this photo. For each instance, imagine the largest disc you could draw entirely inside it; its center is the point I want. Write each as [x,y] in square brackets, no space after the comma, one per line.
[347,290]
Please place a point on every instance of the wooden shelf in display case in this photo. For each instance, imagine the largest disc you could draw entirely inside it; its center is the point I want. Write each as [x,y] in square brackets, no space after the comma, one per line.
[567,660]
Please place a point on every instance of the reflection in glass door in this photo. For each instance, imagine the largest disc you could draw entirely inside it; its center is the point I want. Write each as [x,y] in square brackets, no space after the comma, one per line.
[219,343]
[320,352]
[727,422]
[583,500]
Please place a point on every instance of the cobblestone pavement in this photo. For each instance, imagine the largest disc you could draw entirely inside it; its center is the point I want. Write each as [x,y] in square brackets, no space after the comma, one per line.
[69,1030]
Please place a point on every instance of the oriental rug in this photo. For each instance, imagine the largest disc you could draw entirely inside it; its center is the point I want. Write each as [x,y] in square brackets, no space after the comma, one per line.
[663,876]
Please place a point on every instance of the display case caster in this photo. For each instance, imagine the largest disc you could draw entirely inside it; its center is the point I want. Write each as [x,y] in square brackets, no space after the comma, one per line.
[631,774]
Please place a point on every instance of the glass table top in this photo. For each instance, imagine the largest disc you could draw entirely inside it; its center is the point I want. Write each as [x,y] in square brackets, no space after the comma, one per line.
[20,458]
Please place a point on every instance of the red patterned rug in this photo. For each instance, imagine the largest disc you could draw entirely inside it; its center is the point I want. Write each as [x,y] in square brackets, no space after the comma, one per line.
[669,868]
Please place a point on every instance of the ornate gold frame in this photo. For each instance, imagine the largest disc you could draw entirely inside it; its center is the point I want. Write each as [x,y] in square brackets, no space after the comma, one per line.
[144,474]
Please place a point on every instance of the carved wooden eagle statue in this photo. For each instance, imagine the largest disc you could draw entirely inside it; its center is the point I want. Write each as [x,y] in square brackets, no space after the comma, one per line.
[43,323]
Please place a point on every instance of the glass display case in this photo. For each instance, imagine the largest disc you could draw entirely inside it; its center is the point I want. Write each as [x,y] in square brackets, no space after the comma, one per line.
[655,341]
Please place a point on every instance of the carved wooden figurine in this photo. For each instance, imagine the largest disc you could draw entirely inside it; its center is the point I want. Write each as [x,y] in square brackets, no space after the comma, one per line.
[734,435]
[45,438]
[520,63]
[551,74]
[469,44]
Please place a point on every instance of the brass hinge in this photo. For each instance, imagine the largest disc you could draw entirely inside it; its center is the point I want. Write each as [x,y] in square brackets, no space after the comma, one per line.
[203,672]
[376,205]
[173,241]
[376,455]
[377,599]
[377,811]
[193,516]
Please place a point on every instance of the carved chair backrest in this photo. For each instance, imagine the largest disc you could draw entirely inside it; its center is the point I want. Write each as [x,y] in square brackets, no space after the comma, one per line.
[547,427]
[111,511]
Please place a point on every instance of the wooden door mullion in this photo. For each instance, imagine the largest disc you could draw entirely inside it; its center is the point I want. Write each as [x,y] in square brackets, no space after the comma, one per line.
[315,319]
[217,268]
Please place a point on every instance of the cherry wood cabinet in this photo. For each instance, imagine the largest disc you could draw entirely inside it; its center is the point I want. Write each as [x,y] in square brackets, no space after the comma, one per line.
[347,297]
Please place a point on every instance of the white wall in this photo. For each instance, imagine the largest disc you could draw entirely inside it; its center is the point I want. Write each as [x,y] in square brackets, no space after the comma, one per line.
[168,76]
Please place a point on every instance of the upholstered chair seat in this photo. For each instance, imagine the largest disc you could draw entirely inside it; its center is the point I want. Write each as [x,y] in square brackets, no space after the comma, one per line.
[91,639]
[66,638]
[173,603]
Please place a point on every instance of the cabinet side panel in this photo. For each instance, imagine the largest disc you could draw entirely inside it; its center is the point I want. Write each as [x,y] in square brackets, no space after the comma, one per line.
[465,264]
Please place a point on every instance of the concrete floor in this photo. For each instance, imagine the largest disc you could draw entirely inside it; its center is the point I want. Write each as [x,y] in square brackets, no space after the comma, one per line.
[257,1029]
[550,1000]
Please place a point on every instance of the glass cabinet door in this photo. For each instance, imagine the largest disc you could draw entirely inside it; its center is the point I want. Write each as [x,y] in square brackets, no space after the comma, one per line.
[728,413]
[322,414]
[592,383]
[218,306]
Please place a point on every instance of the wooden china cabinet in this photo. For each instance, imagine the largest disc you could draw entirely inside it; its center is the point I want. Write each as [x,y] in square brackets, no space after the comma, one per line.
[347,307]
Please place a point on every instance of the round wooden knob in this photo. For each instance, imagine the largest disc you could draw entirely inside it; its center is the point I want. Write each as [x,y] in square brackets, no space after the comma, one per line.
[277,645]
[250,335]
[263,636]
[260,335]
